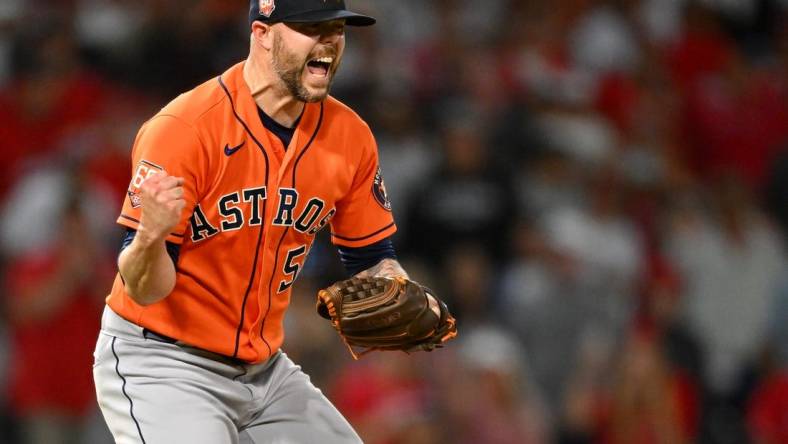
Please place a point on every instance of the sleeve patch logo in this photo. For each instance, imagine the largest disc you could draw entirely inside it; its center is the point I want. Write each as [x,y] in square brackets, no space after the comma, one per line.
[135,199]
[379,191]
[143,171]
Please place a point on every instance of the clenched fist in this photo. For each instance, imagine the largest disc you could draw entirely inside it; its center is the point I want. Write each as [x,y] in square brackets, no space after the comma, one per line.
[162,204]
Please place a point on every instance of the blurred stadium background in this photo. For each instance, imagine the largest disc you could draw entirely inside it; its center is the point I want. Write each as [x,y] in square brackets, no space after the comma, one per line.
[599,188]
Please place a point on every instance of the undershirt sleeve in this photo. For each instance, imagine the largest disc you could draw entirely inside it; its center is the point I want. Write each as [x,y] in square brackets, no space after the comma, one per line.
[173,249]
[358,259]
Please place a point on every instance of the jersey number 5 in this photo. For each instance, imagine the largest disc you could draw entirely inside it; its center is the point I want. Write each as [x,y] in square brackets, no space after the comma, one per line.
[292,267]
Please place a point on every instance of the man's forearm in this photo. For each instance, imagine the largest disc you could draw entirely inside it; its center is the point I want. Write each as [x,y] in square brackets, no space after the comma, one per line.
[147,270]
[389,268]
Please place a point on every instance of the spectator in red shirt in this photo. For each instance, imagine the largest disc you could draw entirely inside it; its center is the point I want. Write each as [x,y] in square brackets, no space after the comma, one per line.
[54,300]
[51,96]
[651,402]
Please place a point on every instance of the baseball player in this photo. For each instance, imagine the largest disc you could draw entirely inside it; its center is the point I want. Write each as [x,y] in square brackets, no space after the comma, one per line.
[230,183]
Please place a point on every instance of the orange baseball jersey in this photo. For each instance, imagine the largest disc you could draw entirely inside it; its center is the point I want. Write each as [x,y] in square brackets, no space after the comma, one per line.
[252,211]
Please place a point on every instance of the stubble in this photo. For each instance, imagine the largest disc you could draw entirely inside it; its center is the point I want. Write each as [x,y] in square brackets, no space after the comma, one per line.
[290,68]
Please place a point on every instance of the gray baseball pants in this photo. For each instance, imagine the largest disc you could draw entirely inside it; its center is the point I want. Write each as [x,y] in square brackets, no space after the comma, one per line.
[155,392]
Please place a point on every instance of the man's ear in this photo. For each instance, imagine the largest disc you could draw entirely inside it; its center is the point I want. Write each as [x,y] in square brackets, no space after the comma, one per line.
[262,34]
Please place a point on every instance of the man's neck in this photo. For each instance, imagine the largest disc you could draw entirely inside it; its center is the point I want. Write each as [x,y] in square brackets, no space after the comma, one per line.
[273,99]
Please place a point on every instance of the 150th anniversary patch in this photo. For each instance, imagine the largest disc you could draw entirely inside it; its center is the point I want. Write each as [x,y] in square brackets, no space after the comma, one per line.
[144,170]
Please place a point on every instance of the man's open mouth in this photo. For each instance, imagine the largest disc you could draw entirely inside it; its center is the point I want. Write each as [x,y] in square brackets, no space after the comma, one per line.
[320,66]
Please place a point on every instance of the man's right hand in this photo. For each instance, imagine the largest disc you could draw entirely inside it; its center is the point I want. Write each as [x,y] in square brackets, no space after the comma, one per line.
[162,204]
[148,271]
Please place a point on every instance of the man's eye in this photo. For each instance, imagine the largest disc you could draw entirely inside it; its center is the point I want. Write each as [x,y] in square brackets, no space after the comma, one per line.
[308,28]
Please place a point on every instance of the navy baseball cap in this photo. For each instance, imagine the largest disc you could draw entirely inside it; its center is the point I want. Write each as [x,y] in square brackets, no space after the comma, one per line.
[304,11]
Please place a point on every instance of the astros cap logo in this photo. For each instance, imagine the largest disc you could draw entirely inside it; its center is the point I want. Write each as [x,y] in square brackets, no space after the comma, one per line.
[267,7]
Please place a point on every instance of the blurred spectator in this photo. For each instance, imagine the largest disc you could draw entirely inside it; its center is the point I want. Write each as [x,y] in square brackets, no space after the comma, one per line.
[661,19]
[731,261]
[404,151]
[580,134]
[506,406]
[107,26]
[638,398]
[661,317]
[465,199]
[49,97]
[650,401]
[543,305]
[723,255]
[467,282]
[184,43]
[550,181]
[536,61]
[737,121]
[604,40]
[35,203]
[702,48]
[603,245]
[382,397]
[55,296]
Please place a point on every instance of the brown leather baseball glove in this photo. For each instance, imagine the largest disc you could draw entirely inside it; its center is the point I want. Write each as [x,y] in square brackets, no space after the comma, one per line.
[377,313]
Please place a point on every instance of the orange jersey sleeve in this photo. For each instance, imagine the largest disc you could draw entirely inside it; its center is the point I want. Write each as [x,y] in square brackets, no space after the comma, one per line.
[165,143]
[364,215]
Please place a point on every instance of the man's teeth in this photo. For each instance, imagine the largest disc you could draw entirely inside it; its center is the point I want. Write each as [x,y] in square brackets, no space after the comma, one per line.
[324,60]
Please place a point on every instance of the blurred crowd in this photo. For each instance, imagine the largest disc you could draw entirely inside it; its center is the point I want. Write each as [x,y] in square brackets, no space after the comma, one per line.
[598,188]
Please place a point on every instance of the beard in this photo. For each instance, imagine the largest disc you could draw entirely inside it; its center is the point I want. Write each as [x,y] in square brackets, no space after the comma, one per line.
[290,69]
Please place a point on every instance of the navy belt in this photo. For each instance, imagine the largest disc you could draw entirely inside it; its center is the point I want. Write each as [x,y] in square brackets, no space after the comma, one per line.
[150,334]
